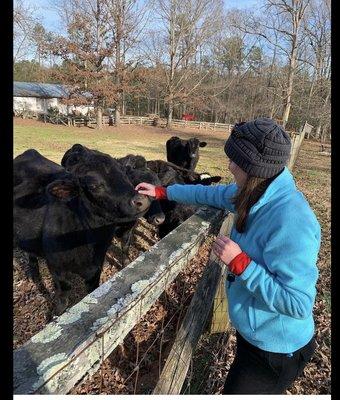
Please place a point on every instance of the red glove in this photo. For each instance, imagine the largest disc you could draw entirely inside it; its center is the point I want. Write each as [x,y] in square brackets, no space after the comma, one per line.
[239,263]
[160,192]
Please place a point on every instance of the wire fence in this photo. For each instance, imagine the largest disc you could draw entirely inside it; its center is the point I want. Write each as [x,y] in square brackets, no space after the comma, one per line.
[158,342]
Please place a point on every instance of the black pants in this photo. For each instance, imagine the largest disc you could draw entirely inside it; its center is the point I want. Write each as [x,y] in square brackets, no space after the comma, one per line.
[255,371]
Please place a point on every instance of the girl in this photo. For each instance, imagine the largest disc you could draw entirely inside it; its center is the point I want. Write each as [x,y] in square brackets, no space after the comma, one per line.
[271,257]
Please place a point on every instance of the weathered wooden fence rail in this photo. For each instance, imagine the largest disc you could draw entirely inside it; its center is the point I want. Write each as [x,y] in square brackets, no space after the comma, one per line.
[77,342]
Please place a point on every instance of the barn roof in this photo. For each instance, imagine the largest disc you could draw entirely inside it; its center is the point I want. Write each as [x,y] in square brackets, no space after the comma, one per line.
[36,89]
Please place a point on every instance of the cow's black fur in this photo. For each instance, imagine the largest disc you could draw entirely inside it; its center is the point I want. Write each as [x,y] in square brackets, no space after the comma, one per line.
[170,174]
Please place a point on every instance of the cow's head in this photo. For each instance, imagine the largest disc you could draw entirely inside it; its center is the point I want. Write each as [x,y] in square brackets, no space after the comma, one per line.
[193,146]
[192,150]
[102,183]
[133,161]
[137,171]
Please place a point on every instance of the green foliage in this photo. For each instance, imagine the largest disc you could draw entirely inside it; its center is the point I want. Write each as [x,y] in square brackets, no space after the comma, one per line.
[256,59]
[26,71]
[32,71]
[231,54]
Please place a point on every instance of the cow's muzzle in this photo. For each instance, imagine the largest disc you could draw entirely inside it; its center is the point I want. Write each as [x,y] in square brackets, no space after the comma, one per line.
[140,202]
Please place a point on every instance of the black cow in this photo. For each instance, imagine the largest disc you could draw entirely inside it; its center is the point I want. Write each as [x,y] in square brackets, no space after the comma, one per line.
[169,174]
[137,171]
[70,217]
[183,153]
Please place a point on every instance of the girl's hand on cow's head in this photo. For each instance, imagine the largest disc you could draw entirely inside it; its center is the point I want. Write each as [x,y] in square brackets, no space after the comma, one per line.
[146,188]
[226,249]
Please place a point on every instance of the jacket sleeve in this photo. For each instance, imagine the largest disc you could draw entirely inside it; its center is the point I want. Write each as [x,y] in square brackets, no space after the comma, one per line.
[287,279]
[218,196]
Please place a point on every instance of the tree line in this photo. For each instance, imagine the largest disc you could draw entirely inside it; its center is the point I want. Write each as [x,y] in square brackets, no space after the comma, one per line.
[170,57]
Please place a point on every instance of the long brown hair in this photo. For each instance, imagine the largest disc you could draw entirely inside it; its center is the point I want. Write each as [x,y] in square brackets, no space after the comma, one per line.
[247,196]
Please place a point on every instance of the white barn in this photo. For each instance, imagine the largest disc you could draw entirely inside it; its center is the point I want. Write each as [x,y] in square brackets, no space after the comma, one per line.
[39,97]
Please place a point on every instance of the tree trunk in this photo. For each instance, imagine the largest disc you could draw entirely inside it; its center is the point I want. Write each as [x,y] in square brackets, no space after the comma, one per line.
[99,117]
[117,115]
[318,131]
[123,104]
[170,113]
[288,101]
[156,106]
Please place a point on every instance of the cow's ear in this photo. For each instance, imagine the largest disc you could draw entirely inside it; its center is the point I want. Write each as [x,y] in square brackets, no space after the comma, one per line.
[209,180]
[73,155]
[63,189]
[203,144]
[78,148]
[70,160]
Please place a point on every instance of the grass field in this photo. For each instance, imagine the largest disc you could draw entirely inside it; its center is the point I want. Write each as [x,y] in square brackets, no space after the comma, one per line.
[313,178]
[53,140]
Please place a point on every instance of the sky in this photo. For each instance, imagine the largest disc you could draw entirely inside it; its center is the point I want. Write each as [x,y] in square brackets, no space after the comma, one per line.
[50,19]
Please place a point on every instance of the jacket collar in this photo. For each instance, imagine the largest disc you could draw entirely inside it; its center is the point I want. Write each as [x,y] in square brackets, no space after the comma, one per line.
[282,184]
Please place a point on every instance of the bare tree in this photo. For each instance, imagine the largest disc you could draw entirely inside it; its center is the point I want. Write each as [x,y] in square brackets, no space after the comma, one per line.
[317,28]
[24,20]
[126,19]
[291,14]
[186,24]
[281,19]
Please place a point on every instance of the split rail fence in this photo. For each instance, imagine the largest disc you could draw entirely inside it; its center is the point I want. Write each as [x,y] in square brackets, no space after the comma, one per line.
[79,121]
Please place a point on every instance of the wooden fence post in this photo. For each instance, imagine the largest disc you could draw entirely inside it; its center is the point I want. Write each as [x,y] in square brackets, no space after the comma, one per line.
[297,140]
[220,317]
[178,361]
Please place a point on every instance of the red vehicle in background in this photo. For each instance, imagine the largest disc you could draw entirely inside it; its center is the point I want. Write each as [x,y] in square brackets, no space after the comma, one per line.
[188,117]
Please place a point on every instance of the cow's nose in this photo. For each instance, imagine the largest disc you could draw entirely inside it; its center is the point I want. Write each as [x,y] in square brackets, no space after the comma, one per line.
[140,202]
[158,219]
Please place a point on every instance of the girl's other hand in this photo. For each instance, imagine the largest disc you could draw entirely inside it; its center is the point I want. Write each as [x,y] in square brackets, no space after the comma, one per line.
[226,249]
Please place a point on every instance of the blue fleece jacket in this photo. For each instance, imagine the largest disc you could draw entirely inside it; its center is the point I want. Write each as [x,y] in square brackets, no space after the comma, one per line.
[271,302]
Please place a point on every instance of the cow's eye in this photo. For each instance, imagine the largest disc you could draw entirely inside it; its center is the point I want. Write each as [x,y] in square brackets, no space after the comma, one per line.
[92,186]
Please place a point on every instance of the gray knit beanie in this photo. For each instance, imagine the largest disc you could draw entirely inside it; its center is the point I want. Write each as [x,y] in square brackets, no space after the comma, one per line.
[260,147]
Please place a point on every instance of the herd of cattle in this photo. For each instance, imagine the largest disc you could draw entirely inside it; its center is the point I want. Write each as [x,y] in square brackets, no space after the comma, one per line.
[69,213]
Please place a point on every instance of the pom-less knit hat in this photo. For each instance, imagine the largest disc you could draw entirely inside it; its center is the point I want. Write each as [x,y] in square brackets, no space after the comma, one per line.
[260,147]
